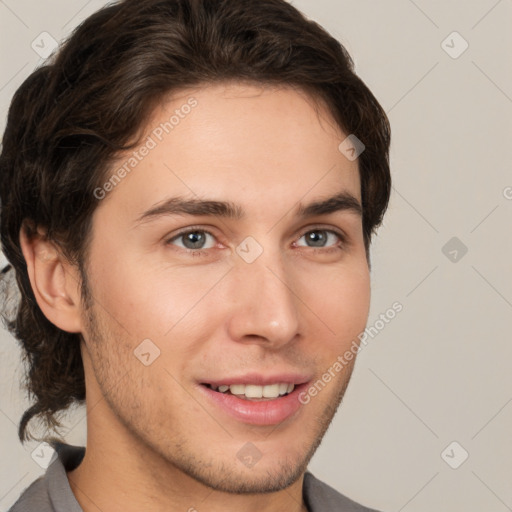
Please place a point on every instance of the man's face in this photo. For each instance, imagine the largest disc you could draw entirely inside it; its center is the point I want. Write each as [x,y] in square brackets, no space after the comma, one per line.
[271,298]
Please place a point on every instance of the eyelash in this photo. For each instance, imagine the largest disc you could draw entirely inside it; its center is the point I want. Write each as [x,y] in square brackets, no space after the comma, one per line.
[204,252]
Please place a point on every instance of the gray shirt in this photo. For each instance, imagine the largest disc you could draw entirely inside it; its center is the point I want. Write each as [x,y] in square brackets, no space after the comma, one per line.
[52,492]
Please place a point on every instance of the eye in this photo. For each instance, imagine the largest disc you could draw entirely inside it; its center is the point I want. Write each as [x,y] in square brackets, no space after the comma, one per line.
[194,239]
[320,238]
[198,241]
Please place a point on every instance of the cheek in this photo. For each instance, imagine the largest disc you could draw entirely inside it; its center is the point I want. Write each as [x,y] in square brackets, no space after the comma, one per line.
[342,303]
[156,301]
[354,297]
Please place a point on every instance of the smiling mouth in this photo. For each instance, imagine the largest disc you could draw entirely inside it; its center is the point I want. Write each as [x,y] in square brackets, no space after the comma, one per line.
[253,392]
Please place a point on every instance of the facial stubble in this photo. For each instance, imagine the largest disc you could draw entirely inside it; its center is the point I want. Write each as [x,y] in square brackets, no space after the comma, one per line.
[104,341]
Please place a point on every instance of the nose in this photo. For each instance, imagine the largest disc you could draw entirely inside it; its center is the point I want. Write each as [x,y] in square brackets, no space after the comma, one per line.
[264,304]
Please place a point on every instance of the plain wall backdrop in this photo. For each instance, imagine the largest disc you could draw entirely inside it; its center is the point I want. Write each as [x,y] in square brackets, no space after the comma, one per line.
[426,421]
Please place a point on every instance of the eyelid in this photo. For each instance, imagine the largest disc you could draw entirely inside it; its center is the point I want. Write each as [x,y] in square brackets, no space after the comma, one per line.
[342,244]
[331,229]
[190,229]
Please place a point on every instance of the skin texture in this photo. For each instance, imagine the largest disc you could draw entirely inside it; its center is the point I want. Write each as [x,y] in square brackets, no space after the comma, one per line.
[154,441]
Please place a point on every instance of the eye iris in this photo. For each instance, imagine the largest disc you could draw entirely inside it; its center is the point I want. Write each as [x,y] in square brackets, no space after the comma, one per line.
[193,240]
[318,238]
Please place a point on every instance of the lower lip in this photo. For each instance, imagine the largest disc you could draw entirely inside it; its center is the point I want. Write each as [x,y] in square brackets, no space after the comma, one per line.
[264,412]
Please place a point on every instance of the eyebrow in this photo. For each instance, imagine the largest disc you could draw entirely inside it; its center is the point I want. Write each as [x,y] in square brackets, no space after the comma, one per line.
[344,201]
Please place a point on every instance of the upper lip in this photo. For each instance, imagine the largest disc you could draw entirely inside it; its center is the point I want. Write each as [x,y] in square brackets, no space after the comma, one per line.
[258,379]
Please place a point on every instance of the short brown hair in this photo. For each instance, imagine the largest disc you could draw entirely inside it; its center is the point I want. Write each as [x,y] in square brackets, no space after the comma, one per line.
[72,117]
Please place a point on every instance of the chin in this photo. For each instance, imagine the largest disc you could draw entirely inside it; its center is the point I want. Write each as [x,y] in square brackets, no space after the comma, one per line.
[254,481]
[234,477]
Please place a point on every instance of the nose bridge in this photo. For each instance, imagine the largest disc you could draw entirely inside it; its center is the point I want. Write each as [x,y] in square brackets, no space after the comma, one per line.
[265,305]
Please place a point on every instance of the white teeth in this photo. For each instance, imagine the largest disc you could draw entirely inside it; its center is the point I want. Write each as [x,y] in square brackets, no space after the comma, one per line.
[237,389]
[283,388]
[271,391]
[254,391]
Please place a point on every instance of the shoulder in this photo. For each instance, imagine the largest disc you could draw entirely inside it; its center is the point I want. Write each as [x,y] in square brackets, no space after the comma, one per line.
[320,497]
[34,497]
[51,491]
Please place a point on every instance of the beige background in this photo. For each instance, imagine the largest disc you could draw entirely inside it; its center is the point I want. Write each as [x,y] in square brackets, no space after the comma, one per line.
[439,372]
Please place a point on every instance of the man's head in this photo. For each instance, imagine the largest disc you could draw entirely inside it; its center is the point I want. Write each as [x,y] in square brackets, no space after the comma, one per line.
[162,181]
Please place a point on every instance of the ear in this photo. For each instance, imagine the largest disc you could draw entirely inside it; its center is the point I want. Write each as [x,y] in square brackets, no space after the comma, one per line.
[55,282]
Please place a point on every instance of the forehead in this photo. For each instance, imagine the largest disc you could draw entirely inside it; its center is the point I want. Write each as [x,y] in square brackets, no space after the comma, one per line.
[250,144]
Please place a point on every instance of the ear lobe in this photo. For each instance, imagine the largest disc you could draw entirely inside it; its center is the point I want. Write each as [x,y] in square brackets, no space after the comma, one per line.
[54,281]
